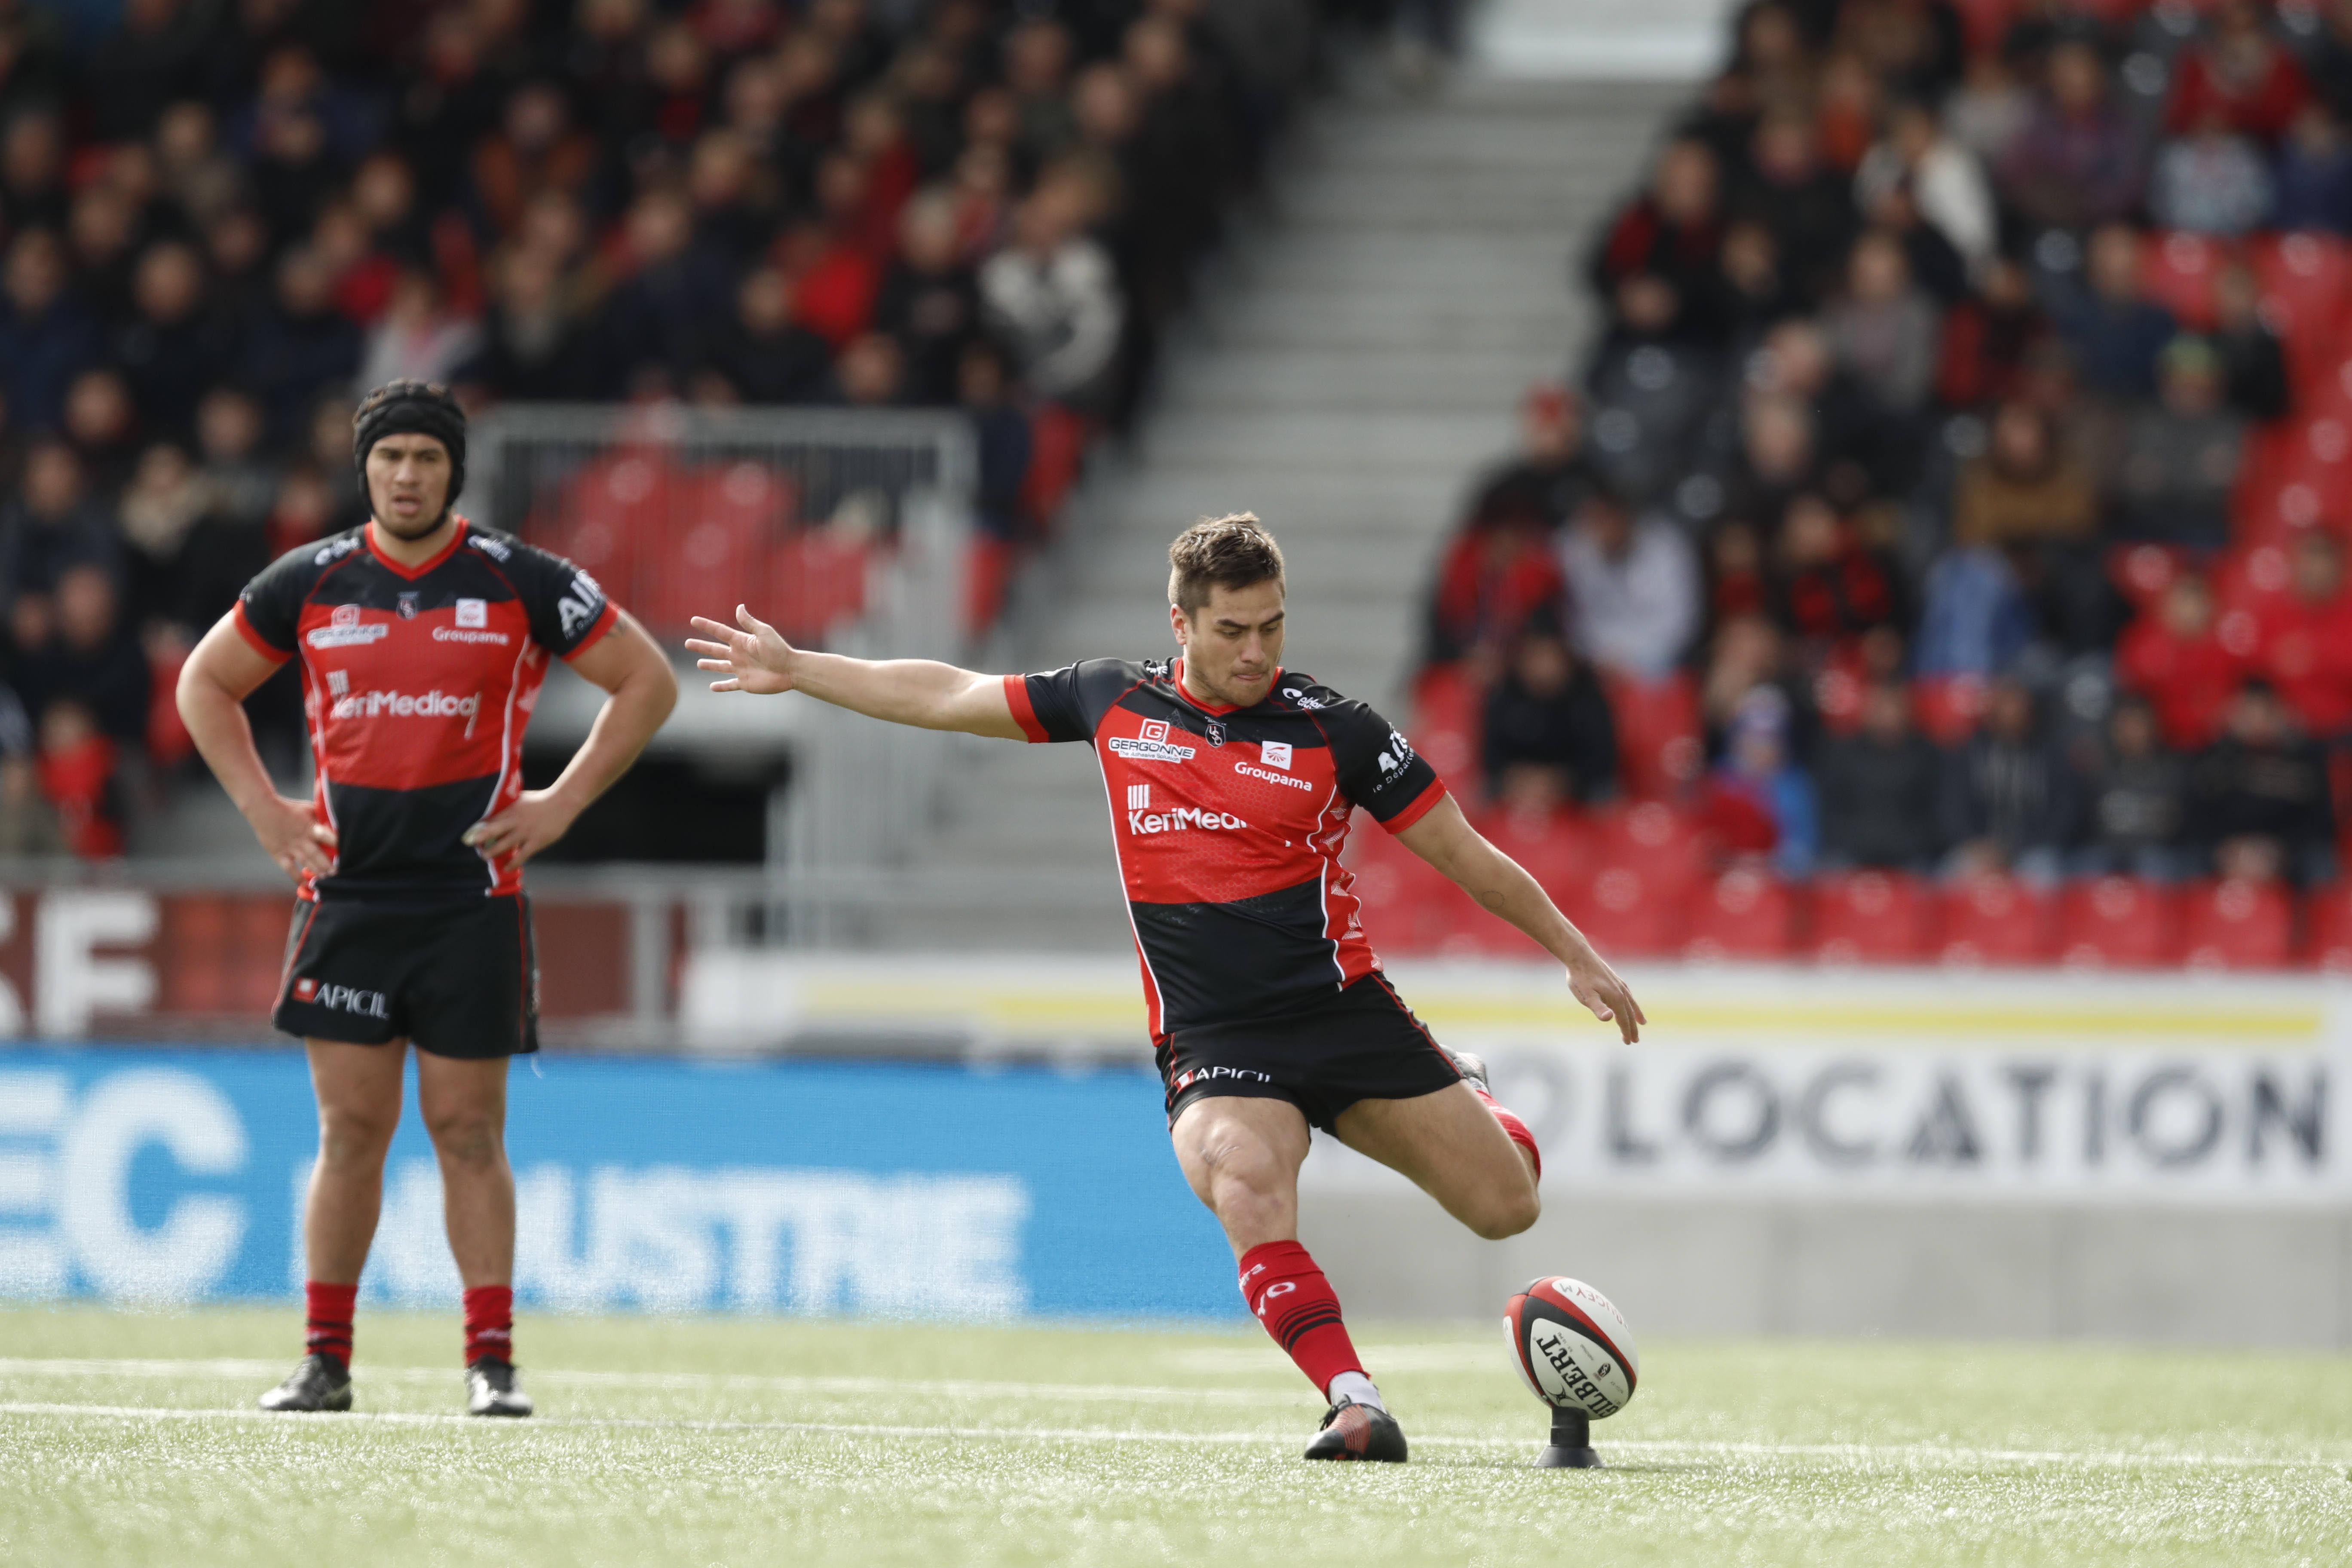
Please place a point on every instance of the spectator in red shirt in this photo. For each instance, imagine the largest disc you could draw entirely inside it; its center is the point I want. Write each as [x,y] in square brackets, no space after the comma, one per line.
[2174,655]
[1500,572]
[2305,646]
[2239,72]
[1673,230]
[76,773]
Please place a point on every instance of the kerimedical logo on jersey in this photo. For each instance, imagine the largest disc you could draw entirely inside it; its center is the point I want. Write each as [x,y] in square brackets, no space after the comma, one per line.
[345,629]
[1181,819]
[1152,744]
[405,705]
[343,998]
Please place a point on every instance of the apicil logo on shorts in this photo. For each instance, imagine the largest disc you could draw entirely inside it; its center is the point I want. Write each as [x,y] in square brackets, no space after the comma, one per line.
[343,998]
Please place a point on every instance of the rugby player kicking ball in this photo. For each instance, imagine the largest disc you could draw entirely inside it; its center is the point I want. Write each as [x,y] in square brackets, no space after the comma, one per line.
[423,641]
[1231,782]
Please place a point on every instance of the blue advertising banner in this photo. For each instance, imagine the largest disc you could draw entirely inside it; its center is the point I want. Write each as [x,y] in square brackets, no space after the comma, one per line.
[641,1185]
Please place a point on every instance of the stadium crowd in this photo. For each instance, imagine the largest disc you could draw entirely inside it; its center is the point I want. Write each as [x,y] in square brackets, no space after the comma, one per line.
[222,220]
[1942,541]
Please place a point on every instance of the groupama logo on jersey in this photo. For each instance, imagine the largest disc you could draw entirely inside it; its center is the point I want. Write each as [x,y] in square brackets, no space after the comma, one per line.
[1152,744]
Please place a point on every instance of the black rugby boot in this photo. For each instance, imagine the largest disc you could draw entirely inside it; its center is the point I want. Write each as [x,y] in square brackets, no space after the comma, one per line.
[491,1389]
[1353,1431]
[319,1382]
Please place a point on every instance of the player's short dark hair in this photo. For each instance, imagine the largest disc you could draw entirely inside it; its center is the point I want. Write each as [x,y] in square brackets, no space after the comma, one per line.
[1230,552]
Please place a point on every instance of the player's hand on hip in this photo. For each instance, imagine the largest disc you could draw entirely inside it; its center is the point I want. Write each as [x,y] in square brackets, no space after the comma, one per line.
[1602,990]
[537,819]
[751,655]
[293,834]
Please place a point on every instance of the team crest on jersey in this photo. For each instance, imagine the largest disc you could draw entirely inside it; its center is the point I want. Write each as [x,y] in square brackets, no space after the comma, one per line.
[1215,730]
[1151,744]
[408,607]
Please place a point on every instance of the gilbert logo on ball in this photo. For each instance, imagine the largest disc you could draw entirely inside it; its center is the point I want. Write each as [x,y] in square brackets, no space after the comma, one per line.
[1572,1346]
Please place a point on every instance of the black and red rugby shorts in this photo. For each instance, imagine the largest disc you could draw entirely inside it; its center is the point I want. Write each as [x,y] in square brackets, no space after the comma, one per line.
[456,978]
[1359,1042]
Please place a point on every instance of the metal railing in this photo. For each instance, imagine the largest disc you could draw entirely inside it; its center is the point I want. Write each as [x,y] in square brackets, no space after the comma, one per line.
[702,508]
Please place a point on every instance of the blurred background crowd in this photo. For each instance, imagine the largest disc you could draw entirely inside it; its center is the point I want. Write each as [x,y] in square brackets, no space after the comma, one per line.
[222,220]
[1954,493]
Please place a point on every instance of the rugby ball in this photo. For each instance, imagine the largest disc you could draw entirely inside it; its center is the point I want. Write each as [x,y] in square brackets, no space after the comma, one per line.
[1572,1346]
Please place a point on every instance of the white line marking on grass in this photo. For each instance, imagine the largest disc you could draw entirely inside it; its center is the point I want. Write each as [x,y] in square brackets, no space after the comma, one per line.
[367,1373]
[1910,1454]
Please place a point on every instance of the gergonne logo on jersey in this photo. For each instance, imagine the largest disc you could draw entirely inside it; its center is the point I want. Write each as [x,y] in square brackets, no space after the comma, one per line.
[1152,744]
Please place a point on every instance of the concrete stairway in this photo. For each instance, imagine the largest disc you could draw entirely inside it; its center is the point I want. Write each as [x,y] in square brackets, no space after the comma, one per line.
[1360,356]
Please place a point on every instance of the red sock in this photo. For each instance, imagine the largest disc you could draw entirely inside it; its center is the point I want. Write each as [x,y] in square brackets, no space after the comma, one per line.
[489,1322]
[1513,1128]
[327,1311]
[1296,1303]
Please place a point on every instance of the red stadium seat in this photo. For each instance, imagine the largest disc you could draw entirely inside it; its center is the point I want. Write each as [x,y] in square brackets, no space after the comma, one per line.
[168,741]
[1556,847]
[1447,719]
[1742,914]
[610,517]
[1409,905]
[1626,911]
[1660,844]
[2238,924]
[2177,271]
[1658,747]
[2141,573]
[816,581]
[2253,579]
[1057,452]
[1999,920]
[2119,923]
[2297,473]
[2331,929]
[1873,917]
[725,525]
[1949,706]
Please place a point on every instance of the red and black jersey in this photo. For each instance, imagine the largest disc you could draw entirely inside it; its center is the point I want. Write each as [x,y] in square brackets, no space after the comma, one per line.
[1229,823]
[418,682]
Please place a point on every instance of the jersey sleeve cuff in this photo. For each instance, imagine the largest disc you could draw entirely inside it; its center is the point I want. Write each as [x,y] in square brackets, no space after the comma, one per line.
[606,619]
[1422,805]
[252,635]
[1016,697]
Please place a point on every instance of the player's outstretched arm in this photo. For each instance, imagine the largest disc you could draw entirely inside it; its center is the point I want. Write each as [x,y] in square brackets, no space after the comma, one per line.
[752,656]
[1445,839]
[219,676]
[640,690]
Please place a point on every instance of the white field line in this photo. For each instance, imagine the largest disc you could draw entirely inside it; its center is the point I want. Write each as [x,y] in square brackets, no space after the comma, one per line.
[154,1370]
[1912,1456]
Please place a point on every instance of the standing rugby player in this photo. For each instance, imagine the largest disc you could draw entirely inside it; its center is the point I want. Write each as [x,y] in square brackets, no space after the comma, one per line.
[1231,782]
[423,641]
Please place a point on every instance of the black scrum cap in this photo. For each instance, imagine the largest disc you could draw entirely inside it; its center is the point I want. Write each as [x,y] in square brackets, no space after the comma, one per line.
[412,408]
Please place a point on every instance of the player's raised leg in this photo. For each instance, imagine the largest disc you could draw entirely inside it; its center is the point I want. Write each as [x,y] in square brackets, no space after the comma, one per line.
[1455,1146]
[464,1105]
[1242,1155]
[358,1089]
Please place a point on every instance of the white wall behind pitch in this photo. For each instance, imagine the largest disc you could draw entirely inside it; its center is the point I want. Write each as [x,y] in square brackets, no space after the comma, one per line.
[1599,40]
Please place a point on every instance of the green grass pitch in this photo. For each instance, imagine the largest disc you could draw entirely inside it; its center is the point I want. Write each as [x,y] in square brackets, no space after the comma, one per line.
[131,1438]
